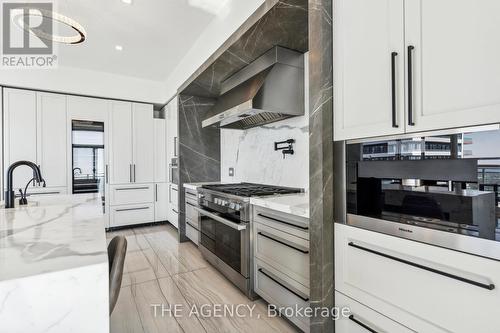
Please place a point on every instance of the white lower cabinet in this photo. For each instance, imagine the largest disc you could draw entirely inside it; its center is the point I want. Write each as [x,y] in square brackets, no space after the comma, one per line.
[173,204]
[161,202]
[131,194]
[424,287]
[362,319]
[125,215]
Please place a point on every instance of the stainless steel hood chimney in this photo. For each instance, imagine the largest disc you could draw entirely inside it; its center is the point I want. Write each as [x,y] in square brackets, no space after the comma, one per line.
[269,89]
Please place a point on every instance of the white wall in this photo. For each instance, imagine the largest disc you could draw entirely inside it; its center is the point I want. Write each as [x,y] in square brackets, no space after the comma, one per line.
[251,152]
[218,31]
[86,82]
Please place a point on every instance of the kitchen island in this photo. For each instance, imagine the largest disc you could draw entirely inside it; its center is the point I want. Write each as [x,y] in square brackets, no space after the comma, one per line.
[54,266]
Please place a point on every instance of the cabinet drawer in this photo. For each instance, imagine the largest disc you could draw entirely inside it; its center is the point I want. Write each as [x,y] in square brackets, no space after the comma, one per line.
[281,291]
[288,223]
[131,194]
[192,233]
[40,191]
[287,253]
[192,215]
[363,319]
[403,278]
[131,214]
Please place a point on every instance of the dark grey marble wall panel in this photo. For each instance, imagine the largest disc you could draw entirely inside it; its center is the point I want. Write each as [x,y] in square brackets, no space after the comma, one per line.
[199,149]
[284,24]
[321,159]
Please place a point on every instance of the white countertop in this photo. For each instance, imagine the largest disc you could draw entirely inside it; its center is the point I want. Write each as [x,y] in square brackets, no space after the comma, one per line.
[195,186]
[295,204]
[52,233]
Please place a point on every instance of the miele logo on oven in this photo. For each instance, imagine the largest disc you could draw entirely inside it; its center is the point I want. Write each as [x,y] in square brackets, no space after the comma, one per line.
[405,230]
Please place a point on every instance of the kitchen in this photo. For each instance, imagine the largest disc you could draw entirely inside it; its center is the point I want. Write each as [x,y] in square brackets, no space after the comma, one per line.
[225,183]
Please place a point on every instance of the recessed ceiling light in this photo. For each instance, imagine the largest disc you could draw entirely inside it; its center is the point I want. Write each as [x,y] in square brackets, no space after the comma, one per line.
[118,47]
[127,2]
[77,38]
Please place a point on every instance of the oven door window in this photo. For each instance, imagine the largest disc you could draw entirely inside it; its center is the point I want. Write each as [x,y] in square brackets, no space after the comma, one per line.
[223,241]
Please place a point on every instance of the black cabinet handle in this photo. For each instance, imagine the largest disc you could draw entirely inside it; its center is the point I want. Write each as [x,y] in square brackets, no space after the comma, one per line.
[366,327]
[410,85]
[304,227]
[393,88]
[490,286]
[283,243]
[276,280]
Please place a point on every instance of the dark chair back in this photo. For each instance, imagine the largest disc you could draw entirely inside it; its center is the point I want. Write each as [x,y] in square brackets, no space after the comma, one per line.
[117,250]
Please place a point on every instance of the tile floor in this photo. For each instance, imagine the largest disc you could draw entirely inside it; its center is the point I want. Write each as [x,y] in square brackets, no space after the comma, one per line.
[160,270]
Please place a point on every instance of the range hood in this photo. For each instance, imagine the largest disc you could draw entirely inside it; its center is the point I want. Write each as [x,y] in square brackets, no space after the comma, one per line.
[269,89]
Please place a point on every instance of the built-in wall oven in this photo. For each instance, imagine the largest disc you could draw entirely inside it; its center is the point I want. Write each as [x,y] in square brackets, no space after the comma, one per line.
[440,188]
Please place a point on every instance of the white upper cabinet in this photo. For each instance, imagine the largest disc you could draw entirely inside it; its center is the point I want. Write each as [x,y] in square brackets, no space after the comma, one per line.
[446,72]
[20,134]
[368,65]
[456,67]
[52,138]
[132,143]
[143,136]
[172,128]
[121,141]
[160,151]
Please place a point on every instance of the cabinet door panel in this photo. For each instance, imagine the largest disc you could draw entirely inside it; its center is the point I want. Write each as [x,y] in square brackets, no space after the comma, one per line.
[456,68]
[121,143]
[20,132]
[172,131]
[360,316]
[160,153]
[161,202]
[367,32]
[52,138]
[143,138]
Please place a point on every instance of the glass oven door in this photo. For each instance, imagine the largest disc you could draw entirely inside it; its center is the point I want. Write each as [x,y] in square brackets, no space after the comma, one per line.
[224,238]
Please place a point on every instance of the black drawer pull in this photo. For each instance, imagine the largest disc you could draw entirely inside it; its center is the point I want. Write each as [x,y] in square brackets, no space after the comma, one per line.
[305,299]
[410,85]
[303,227]
[132,188]
[129,209]
[190,204]
[430,269]
[366,327]
[393,88]
[283,243]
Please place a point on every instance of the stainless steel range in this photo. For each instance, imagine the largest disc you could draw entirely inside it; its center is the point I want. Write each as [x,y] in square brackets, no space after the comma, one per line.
[225,228]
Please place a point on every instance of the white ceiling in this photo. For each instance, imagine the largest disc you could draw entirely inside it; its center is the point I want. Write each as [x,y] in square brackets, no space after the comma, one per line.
[154,34]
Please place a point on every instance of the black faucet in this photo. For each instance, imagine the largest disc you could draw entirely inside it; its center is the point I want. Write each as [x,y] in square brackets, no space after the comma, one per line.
[9,193]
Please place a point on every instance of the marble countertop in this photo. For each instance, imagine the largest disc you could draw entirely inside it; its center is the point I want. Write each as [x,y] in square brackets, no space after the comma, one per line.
[53,233]
[195,186]
[295,204]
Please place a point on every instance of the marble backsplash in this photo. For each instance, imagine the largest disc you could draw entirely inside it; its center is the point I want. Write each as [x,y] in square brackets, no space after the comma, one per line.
[251,153]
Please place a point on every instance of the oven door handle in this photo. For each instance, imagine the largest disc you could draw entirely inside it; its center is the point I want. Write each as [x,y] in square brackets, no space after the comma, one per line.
[222,220]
